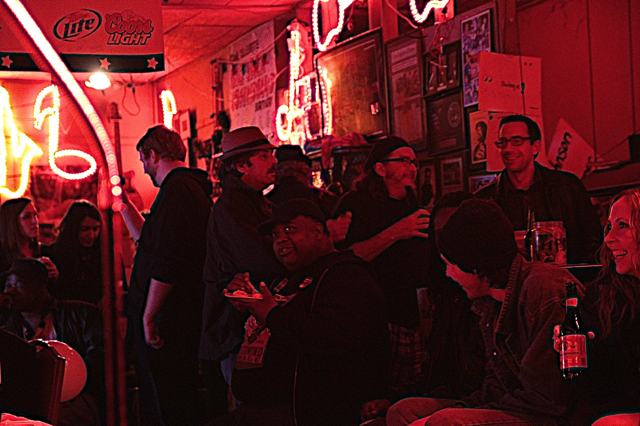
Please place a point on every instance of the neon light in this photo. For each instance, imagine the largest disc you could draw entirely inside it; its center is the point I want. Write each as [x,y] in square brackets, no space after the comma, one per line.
[53,59]
[98,80]
[342,6]
[325,89]
[168,108]
[431,5]
[289,116]
[53,112]
[22,148]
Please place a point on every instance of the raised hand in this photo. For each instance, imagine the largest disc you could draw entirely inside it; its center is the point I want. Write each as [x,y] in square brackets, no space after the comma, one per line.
[414,225]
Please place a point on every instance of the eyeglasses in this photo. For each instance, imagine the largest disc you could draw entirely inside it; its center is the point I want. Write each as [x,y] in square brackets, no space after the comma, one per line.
[514,141]
[404,160]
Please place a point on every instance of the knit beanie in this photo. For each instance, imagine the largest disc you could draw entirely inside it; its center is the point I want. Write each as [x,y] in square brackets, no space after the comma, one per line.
[382,149]
[478,237]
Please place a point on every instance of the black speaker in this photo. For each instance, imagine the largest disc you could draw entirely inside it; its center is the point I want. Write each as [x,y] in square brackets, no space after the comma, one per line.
[634,148]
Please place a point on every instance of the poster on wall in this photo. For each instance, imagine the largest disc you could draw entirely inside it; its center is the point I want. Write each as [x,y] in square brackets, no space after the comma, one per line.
[510,83]
[53,194]
[406,90]
[475,37]
[90,35]
[251,77]
[478,129]
[568,151]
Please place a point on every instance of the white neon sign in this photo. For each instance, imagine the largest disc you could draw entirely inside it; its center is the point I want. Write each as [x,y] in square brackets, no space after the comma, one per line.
[169,108]
[53,112]
[334,32]
[22,149]
[436,5]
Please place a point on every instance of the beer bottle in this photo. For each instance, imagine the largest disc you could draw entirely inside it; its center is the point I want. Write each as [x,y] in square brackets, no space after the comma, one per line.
[529,237]
[573,337]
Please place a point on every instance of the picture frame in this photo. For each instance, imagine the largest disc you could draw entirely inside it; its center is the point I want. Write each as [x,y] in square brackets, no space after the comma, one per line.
[479,181]
[445,121]
[452,173]
[475,37]
[442,70]
[355,68]
[406,106]
[427,184]
[478,135]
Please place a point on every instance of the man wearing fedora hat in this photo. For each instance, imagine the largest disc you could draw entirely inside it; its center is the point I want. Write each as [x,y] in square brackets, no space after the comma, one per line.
[234,246]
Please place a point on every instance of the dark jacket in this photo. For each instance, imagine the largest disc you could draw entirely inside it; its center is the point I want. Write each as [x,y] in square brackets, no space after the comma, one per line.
[564,198]
[172,249]
[328,351]
[79,325]
[403,266]
[611,382]
[522,373]
[233,246]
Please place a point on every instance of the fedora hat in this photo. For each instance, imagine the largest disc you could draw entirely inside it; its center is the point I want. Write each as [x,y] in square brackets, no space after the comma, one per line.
[242,140]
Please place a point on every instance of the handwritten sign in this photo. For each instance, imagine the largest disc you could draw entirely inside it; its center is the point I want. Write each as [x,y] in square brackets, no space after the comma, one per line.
[569,151]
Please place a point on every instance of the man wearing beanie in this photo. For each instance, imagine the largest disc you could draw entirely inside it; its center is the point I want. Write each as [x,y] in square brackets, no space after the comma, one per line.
[518,304]
[388,229]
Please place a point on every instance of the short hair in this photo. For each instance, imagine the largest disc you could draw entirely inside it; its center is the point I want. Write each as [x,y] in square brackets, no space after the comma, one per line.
[166,143]
[532,126]
[229,166]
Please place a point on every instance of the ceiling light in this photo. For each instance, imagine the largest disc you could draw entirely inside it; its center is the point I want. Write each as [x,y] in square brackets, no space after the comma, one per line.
[98,80]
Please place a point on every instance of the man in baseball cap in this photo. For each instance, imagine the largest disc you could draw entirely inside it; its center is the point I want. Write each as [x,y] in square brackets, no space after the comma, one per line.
[333,323]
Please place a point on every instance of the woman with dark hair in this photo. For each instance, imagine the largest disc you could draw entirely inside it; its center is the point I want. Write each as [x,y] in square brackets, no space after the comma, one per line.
[77,254]
[19,231]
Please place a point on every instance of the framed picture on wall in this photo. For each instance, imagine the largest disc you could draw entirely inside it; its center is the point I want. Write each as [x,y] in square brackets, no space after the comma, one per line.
[355,68]
[404,69]
[452,174]
[478,181]
[445,121]
[442,69]
[475,37]
[426,184]
[478,131]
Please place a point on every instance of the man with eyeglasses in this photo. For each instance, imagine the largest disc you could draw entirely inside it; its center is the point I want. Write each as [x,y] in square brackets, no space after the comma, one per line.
[388,229]
[524,185]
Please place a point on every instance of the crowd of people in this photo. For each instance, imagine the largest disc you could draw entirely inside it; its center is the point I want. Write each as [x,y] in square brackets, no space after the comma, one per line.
[298,307]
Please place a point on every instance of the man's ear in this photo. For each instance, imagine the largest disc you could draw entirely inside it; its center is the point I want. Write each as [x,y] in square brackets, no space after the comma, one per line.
[379,169]
[242,167]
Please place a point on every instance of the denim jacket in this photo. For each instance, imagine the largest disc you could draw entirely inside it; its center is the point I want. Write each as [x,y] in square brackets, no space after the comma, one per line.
[522,372]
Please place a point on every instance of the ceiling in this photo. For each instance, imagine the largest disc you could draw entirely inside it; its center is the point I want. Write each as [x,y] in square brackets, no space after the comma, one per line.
[200,28]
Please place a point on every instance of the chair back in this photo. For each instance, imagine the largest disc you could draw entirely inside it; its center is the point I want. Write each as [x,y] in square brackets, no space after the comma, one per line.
[31,376]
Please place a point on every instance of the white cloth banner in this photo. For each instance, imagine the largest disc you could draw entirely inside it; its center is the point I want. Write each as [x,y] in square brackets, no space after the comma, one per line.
[252,82]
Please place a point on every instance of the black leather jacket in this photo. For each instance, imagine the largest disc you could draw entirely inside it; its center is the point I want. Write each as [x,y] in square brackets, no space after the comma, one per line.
[565,199]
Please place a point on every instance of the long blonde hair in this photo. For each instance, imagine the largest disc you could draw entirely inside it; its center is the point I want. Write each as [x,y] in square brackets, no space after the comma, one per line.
[619,294]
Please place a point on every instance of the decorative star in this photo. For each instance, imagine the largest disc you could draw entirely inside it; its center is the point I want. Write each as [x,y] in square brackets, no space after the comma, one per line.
[152,63]
[104,63]
[6,61]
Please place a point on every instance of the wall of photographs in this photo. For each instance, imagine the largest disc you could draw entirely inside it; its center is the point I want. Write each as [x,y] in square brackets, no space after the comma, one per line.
[433,79]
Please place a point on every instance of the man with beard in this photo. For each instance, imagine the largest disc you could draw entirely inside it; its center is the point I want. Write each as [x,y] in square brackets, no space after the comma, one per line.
[551,195]
[388,229]
[165,298]
[235,249]
[321,331]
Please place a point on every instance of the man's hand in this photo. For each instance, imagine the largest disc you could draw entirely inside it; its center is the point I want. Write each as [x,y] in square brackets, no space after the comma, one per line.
[557,343]
[260,308]
[241,281]
[414,225]
[52,270]
[339,227]
[151,333]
